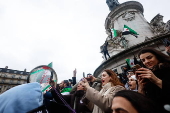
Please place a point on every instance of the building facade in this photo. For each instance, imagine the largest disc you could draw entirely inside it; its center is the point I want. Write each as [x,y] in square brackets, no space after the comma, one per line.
[10,78]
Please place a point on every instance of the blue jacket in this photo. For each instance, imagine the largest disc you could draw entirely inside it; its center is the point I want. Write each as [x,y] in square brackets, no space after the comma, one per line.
[21,99]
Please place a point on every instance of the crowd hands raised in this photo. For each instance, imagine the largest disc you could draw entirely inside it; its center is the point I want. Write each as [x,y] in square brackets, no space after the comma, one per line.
[145,89]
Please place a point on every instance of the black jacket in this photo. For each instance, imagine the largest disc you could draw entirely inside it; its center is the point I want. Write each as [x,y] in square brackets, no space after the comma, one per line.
[158,95]
[76,103]
[74,100]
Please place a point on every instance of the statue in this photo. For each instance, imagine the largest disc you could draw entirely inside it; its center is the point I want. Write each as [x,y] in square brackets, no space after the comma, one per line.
[157,24]
[167,27]
[112,4]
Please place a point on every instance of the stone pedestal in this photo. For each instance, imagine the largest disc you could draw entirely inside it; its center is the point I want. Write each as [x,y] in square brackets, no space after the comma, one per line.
[130,14]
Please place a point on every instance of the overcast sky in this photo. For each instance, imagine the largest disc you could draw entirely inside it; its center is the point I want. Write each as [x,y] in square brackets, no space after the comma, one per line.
[68,33]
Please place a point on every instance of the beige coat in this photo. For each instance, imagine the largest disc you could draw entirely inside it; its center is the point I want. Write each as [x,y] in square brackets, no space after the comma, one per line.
[102,99]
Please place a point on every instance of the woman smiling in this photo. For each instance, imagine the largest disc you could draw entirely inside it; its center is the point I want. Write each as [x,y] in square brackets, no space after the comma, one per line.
[154,78]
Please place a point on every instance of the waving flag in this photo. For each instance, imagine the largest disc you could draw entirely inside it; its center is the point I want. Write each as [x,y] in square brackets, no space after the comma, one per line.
[130,62]
[114,32]
[127,30]
[50,64]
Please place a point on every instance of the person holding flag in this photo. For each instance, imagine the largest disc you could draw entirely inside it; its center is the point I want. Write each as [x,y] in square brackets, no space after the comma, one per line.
[116,33]
[104,50]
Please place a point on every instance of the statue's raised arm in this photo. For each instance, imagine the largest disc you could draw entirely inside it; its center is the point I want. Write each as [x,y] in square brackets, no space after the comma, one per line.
[112,4]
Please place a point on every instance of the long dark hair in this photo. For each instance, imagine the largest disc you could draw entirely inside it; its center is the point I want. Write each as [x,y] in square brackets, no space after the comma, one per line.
[138,101]
[162,58]
[115,80]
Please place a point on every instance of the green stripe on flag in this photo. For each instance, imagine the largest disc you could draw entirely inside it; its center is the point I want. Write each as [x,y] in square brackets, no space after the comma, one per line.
[50,64]
[130,62]
[37,71]
[47,87]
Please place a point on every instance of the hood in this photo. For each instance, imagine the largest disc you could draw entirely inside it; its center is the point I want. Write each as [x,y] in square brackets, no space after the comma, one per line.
[21,99]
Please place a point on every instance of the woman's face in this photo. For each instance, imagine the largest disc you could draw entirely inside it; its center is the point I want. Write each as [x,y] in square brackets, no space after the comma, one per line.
[132,84]
[80,86]
[105,78]
[149,60]
[121,105]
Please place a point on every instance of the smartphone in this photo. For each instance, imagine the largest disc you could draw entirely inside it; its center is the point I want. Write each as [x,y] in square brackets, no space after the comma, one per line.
[135,68]
[83,75]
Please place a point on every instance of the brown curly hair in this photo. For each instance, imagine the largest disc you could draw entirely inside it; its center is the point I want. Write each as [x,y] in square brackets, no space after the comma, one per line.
[114,80]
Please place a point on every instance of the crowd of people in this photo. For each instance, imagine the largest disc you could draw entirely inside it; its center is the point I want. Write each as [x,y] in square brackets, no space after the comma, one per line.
[145,89]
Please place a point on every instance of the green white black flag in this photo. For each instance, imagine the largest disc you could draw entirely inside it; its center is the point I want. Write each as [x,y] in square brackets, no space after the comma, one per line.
[114,32]
[130,62]
[127,30]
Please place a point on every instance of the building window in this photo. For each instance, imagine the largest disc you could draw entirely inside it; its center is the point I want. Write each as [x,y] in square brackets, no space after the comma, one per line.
[5,75]
[2,75]
[21,73]
[8,71]
[24,77]
[5,88]
[15,71]
[11,81]
[13,76]
[20,77]
[3,80]
[8,87]
[18,82]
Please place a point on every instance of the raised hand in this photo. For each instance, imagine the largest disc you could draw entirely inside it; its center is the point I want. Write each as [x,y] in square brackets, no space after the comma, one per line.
[74,73]
[90,78]
[52,83]
[85,83]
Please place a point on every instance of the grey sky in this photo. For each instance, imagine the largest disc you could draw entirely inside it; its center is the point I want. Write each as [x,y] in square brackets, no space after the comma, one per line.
[68,33]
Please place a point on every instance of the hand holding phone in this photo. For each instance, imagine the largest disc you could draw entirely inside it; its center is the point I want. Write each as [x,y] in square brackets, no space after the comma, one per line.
[89,78]
[135,68]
